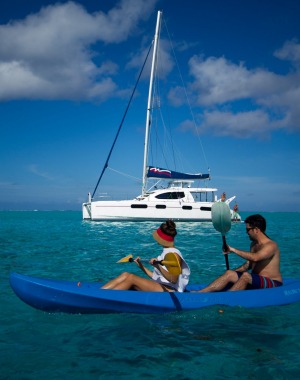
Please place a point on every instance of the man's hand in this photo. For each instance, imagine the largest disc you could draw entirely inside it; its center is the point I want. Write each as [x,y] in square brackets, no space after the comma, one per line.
[227,250]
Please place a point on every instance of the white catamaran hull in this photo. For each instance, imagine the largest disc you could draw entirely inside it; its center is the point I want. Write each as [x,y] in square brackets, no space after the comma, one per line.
[152,208]
[134,210]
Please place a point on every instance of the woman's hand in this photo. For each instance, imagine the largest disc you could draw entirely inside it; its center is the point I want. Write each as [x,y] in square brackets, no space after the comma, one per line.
[138,262]
[153,261]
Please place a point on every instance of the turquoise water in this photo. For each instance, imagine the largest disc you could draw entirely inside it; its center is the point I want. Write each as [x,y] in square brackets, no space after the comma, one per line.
[207,344]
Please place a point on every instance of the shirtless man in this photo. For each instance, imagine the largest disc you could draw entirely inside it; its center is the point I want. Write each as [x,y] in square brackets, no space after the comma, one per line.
[263,260]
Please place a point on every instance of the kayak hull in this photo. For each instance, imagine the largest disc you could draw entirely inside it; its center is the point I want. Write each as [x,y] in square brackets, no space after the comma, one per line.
[88,298]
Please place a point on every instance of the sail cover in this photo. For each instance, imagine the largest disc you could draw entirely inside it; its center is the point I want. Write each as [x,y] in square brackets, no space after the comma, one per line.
[155,172]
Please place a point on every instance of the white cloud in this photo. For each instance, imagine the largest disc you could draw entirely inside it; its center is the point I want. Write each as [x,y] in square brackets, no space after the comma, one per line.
[165,60]
[219,81]
[48,54]
[34,169]
[290,52]
[242,124]
[273,99]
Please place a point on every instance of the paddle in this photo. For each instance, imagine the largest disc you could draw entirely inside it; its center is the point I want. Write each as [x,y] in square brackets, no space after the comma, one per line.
[221,219]
[171,262]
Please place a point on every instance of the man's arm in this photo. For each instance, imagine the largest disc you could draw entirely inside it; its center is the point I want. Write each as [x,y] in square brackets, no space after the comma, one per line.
[243,268]
[266,252]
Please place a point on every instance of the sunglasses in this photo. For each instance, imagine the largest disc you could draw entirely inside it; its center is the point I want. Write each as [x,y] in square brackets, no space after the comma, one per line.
[250,228]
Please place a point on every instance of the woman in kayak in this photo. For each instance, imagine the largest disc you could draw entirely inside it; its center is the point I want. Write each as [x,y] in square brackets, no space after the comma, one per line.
[161,279]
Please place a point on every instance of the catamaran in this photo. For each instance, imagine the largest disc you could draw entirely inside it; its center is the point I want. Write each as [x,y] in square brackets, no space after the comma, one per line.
[171,196]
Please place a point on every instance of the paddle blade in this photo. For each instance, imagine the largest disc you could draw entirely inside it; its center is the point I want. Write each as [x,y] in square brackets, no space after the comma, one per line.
[172,263]
[221,217]
[125,259]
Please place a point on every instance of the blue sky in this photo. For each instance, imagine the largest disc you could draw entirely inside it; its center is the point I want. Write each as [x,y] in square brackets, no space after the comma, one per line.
[67,70]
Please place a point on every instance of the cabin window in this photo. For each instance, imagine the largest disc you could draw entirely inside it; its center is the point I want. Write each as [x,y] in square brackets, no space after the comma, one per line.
[138,206]
[205,208]
[161,206]
[171,195]
[187,207]
[200,196]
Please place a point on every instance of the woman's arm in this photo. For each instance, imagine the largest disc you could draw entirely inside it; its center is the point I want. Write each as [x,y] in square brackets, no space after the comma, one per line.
[172,278]
[148,272]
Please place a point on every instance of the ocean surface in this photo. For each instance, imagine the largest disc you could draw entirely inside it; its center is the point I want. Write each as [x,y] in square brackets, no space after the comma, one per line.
[212,343]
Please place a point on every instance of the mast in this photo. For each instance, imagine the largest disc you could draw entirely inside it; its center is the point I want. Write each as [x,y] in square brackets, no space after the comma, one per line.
[149,105]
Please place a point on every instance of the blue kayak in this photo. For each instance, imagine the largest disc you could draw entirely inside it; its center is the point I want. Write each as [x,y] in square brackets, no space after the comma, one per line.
[87,298]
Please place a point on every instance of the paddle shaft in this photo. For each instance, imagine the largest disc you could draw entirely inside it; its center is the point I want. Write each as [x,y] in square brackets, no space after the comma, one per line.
[225,248]
[171,261]
[161,262]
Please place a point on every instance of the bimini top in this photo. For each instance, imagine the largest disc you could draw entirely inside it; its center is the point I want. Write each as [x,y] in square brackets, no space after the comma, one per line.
[155,172]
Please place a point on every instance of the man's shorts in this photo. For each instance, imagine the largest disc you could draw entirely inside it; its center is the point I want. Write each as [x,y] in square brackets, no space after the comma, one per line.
[261,282]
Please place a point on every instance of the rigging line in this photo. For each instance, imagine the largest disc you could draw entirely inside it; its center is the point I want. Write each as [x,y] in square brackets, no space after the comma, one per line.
[159,145]
[125,174]
[122,121]
[169,138]
[169,143]
[172,143]
[189,104]
[159,148]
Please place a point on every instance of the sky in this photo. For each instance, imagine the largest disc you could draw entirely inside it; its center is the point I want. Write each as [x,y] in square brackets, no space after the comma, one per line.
[67,70]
